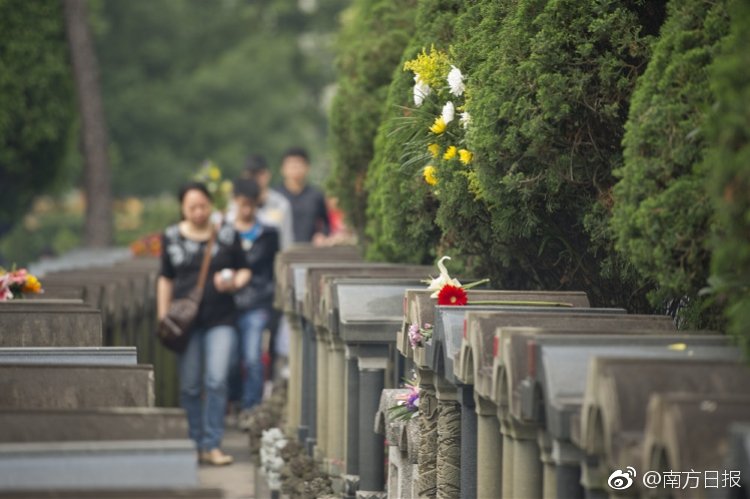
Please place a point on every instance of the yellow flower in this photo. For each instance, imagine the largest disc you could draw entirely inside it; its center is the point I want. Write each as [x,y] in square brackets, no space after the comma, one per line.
[465,156]
[214,173]
[32,285]
[431,68]
[439,126]
[226,187]
[434,149]
[429,174]
[450,153]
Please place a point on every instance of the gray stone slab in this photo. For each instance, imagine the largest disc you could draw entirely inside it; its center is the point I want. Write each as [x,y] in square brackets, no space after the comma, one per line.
[553,391]
[309,284]
[116,423]
[369,313]
[328,312]
[49,323]
[98,465]
[315,290]
[617,393]
[81,258]
[284,297]
[71,387]
[449,330]
[420,308]
[482,357]
[691,431]
[108,356]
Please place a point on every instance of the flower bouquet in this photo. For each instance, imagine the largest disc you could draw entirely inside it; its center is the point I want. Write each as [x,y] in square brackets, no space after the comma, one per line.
[17,283]
[407,406]
[434,130]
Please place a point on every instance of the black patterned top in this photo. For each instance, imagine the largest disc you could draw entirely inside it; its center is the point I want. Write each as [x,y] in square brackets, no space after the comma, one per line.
[181,260]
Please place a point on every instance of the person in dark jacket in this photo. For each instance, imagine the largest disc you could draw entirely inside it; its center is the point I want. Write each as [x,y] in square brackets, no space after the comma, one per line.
[254,302]
[204,365]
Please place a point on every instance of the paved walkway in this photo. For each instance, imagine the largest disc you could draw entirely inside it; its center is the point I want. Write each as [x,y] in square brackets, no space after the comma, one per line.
[237,479]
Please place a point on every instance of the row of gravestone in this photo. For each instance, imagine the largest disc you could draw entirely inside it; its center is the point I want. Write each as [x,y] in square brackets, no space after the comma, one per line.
[78,414]
[537,395]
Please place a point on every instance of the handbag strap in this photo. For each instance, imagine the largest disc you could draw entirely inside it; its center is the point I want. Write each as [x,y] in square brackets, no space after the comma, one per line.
[204,265]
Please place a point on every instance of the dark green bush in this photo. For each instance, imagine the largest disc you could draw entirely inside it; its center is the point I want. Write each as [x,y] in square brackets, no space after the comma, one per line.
[728,161]
[401,207]
[370,45]
[661,215]
[36,103]
[549,94]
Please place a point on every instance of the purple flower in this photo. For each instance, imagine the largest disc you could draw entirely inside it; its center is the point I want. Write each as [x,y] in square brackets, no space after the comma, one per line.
[415,335]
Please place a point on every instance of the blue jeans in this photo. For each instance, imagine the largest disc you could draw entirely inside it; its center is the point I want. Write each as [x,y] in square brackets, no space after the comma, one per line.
[251,325]
[204,367]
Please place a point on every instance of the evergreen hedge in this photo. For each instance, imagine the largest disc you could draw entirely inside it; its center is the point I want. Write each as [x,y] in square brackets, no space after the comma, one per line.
[370,45]
[728,161]
[548,101]
[662,212]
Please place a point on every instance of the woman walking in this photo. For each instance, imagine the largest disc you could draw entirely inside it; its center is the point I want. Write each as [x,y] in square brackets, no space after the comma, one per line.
[204,365]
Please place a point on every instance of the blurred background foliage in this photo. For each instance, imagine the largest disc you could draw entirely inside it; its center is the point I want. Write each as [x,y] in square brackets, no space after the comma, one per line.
[182,81]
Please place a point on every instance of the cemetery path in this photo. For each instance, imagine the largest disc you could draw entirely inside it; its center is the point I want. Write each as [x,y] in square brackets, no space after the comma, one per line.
[235,480]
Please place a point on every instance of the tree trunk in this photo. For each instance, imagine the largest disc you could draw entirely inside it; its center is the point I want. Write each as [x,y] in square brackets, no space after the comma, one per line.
[97,176]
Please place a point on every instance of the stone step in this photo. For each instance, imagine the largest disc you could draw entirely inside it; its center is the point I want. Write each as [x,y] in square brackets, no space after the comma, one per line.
[28,386]
[116,423]
[172,493]
[106,356]
[49,323]
[122,464]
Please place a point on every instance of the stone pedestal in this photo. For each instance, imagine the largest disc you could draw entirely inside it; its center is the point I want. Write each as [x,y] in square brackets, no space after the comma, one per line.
[336,414]
[322,392]
[428,422]
[449,440]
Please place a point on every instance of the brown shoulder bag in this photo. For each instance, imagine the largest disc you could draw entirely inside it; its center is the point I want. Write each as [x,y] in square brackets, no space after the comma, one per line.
[174,329]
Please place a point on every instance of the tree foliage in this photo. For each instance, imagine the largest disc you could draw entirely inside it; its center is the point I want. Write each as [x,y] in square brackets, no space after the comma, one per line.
[36,103]
[662,213]
[727,162]
[369,48]
[188,80]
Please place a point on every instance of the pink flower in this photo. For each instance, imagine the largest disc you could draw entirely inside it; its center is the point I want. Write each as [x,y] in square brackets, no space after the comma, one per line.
[18,277]
[5,293]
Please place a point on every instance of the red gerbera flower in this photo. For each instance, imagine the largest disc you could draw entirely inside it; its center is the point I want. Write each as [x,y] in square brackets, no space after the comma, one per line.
[452,295]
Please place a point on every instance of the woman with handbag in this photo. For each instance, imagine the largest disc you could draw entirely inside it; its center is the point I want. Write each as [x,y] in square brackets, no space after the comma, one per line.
[201,264]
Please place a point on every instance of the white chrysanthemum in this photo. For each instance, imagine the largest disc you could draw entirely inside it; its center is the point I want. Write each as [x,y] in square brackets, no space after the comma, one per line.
[449,112]
[421,91]
[465,119]
[437,284]
[456,81]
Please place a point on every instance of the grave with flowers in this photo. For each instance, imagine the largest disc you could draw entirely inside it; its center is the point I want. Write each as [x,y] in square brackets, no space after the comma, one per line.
[527,365]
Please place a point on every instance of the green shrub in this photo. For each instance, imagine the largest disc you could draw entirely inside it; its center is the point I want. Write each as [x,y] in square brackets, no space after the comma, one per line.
[548,96]
[370,45]
[661,215]
[727,160]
